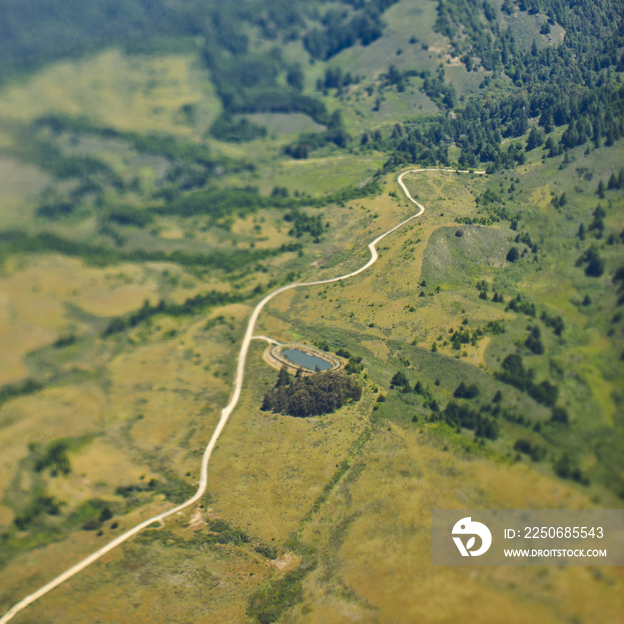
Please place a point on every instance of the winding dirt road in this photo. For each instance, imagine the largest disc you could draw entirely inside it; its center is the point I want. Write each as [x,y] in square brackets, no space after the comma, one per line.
[225,414]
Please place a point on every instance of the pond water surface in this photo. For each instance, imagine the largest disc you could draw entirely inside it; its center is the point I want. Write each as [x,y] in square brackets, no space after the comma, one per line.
[306,360]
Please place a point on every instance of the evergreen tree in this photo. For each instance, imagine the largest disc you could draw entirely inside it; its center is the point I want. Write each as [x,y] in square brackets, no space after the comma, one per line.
[534,341]
[283,378]
[513,255]
[536,138]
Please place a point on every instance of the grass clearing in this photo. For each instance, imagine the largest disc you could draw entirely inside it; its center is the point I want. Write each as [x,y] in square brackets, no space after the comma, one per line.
[376,527]
[133,93]
[20,186]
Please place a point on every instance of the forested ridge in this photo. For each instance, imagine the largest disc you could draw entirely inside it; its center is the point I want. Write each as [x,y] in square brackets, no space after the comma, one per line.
[569,82]
[574,82]
[43,30]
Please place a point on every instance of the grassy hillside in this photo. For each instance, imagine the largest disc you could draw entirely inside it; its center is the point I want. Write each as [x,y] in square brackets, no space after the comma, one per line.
[157,182]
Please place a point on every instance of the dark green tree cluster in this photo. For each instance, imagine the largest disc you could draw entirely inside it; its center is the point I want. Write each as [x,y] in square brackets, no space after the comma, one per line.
[227,128]
[554,322]
[95,523]
[560,416]
[47,30]
[335,134]
[268,603]
[616,182]
[247,82]
[400,381]
[618,279]
[51,29]
[55,458]
[41,505]
[478,130]
[335,79]
[488,197]
[520,304]
[127,215]
[515,374]
[435,87]
[21,388]
[513,255]
[320,393]
[536,139]
[566,468]
[534,341]
[459,415]
[354,365]
[303,223]
[525,239]
[342,29]
[227,534]
[534,451]
[218,203]
[460,337]
[496,328]
[594,263]
[466,392]
[597,225]
[591,44]
[193,305]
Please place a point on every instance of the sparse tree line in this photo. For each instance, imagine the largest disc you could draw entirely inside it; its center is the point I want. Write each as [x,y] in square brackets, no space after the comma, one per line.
[191,306]
[20,242]
[21,388]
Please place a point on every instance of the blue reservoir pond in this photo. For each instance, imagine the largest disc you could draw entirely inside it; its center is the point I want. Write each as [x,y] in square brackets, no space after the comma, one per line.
[305,360]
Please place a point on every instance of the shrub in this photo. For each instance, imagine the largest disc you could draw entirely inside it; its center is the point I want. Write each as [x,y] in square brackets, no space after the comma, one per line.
[560,415]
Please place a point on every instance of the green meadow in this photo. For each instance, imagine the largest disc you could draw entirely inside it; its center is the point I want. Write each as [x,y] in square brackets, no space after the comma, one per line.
[154,188]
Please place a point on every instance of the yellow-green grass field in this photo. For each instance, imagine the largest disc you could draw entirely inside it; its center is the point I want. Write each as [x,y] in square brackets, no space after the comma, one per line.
[154,398]
[133,93]
[351,492]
